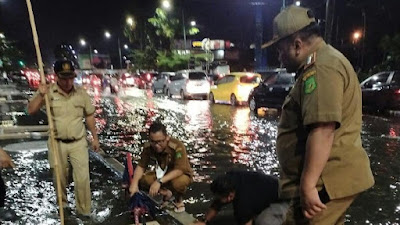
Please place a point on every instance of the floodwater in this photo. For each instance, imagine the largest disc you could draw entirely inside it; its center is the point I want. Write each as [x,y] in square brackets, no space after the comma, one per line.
[217,137]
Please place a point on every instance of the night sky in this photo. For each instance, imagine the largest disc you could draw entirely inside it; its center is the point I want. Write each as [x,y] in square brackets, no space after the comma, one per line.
[67,21]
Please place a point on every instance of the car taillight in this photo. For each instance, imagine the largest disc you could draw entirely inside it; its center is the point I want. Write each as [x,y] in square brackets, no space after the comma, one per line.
[397,91]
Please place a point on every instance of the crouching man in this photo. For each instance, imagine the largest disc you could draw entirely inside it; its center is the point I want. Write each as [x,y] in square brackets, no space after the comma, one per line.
[254,197]
[172,174]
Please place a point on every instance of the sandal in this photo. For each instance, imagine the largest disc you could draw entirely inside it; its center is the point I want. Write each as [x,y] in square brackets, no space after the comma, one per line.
[179,207]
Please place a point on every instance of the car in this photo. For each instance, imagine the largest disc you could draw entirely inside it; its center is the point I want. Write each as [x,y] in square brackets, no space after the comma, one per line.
[161,81]
[146,79]
[381,91]
[95,80]
[51,78]
[27,78]
[234,88]
[271,93]
[189,84]
[128,80]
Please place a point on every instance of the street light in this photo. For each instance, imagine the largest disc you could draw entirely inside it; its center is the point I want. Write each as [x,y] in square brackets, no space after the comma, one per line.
[83,43]
[95,51]
[192,23]
[107,35]
[356,36]
[2,36]
[130,21]
[126,46]
[297,3]
[166,4]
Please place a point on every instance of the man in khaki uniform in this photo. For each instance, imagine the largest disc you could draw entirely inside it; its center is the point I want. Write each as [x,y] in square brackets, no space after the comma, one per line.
[323,166]
[69,105]
[173,172]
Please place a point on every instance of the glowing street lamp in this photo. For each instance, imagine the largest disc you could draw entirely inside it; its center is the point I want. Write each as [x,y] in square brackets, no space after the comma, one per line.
[166,4]
[95,51]
[130,21]
[126,46]
[192,23]
[297,3]
[107,35]
[356,35]
[83,42]
[2,36]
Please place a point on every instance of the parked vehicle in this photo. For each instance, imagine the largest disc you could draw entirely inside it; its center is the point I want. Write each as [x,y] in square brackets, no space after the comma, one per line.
[145,79]
[26,78]
[189,84]
[272,92]
[381,91]
[128,80]
[161,81]
[51,78]
[234,88]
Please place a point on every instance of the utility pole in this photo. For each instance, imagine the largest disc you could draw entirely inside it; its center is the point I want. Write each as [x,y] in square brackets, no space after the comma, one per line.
[183,24]
[119,51]
[329,17]
[363,37]
[260,54]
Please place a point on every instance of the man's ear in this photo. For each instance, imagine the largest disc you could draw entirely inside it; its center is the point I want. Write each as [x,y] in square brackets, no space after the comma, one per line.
[298,45]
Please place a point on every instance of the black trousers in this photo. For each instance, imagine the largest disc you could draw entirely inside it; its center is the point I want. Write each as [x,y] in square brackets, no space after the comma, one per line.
[2,192]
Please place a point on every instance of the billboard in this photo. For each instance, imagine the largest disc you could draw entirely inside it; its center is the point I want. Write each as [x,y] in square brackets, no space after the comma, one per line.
[99,61]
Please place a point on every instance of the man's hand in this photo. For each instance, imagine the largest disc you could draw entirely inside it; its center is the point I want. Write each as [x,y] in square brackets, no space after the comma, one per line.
[95,145]
[43,89]
[310,202]
[154,188]
[133,189]
[5,160]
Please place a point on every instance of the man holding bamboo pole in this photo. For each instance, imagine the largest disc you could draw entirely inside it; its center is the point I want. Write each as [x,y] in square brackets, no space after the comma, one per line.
[69,106]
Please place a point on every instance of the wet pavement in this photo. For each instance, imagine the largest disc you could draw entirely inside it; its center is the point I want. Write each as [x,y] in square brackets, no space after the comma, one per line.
[217,137]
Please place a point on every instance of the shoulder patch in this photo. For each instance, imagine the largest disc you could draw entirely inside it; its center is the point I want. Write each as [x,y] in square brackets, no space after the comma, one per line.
[178,154]
[311,60]
[308,74]
[172,144]
[310,84]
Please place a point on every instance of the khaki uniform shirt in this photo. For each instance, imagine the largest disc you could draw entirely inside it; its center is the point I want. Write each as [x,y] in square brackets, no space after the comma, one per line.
[174,156]
[326,90]
[68,111]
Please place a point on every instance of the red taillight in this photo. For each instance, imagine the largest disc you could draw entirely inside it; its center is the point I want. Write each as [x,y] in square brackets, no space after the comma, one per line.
[397,91]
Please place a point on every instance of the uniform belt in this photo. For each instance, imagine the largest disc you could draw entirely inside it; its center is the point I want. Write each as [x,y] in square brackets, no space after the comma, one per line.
[67,140]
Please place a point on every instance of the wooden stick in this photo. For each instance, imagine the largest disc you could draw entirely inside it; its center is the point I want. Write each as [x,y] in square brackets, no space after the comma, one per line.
[54,144]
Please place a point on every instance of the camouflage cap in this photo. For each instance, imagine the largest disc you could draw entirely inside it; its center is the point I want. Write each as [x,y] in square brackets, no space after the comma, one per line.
[289,21]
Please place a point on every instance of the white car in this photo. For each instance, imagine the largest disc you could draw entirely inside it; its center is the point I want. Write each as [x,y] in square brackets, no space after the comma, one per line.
[189,84]
[161,81]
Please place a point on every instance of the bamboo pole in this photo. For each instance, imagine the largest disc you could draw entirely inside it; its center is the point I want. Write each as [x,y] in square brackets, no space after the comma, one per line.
[54,145]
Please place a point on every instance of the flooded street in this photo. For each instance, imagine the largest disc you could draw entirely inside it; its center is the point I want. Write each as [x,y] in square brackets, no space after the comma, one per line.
[217,137]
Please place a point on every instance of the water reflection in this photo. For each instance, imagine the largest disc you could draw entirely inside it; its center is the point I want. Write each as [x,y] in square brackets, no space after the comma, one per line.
[217,137]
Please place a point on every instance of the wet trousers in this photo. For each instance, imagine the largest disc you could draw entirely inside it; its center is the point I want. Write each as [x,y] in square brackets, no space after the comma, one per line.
[178,185]
[78,155]
[334,213]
